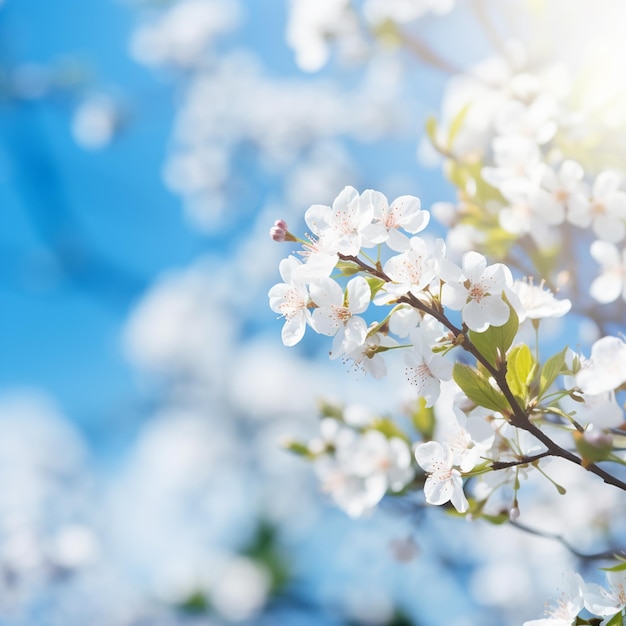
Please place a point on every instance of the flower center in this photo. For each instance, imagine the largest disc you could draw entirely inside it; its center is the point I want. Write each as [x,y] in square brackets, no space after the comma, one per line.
[477,292]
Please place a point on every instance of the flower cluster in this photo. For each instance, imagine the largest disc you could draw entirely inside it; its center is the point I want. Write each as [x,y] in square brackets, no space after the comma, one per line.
[416,280]
[501,420]
[600,602]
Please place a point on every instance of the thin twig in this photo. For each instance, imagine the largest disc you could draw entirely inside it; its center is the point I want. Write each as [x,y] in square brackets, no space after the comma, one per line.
[596,556]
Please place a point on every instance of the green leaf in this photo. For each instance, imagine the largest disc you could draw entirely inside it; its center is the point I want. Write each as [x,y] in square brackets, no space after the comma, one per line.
[389,428]
[347,268]
[423,419]
[375,284]
[550,370]
[520,370]
[478,389]
[494,342]
[431,129]
[195,603]
[457,124]
[616,620]
[620,567]
[299,448]
[329,409]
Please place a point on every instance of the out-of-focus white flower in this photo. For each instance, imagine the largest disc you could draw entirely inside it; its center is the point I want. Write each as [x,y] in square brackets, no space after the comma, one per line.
[403,11]
[605,210]
[514,158]
[96,121]
[606,368]
[312,24]
[611,283]
[564,183]
[364,467]
[535,121]
[600,410]
[531,210]
[183,33]
[241,589]
[178,326]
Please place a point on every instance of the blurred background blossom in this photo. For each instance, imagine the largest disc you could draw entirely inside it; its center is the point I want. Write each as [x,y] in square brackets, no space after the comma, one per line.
[147,147]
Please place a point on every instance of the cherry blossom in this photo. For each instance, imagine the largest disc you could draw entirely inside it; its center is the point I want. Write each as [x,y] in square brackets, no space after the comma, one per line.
[363,467]
[538,302]
[568,605]
[345,219]
[444,482]
[291,300]
[404,213]
[425,369]
[477,290]
[367,355]
[531,210]
[335,314]
[606,368]
[411,271]
[514,157]
[605,210]
[603,602]
[563,183]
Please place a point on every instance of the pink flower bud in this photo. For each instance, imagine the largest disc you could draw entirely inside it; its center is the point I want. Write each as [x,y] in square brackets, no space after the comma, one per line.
[280,231]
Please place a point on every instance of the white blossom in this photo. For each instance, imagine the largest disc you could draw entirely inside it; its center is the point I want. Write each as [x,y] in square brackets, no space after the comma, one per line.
[538,302]
[476,290]
[606,368]
[605,210]
[424,368]
[336,315]
[607,602]
[404,213]
[444,482]
[291,300]
[611,283]
[410,272]
[568,606]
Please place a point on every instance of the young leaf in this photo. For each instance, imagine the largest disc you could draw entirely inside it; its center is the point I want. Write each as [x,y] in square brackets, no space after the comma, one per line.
[431,129]
[375,284]
[457,124]
[478,389]
[620,567]
[423,419]
[520,369]
[616,620]
[389,428]
[550,370]
[496,340]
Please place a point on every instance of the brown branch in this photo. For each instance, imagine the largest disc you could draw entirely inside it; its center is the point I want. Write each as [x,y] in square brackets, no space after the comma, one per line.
[525,460]
[518,416]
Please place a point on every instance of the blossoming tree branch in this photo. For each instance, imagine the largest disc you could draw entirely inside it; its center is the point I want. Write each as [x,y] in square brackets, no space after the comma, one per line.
[537,232]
